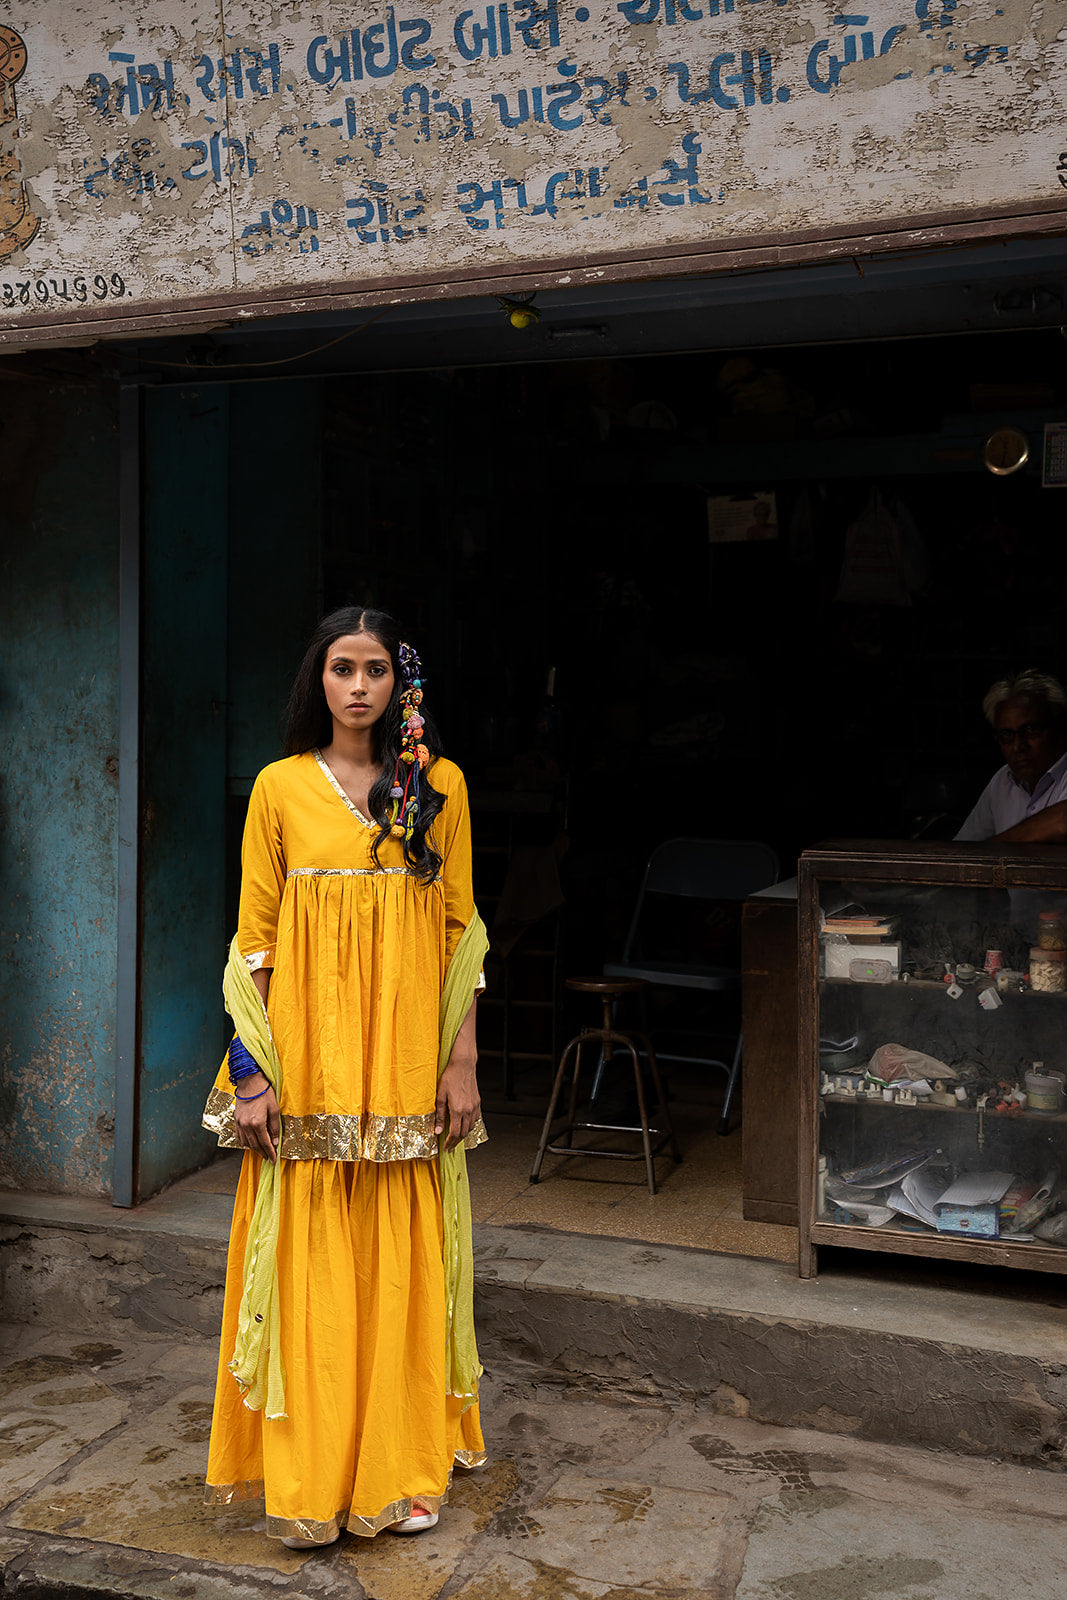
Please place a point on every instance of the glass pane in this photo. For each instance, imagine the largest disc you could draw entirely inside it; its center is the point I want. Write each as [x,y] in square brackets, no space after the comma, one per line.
[943,1054]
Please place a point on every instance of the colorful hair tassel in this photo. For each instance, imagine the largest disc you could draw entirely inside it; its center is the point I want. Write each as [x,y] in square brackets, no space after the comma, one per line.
[404,793]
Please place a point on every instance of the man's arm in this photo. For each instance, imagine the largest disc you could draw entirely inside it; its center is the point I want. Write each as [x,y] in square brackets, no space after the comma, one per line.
[1044,827]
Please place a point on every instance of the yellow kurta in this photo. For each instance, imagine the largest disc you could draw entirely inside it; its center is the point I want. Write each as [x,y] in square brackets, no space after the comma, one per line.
[359,952]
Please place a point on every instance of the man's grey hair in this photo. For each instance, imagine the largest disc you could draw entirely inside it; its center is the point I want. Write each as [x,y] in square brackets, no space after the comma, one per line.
[1035,686]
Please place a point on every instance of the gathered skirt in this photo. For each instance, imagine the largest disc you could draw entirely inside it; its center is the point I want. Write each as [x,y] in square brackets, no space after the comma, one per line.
[369,1428]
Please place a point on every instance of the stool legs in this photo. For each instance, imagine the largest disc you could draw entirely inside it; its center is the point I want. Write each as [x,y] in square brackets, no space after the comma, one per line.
[575,1045]
[650,1054]
[607,1037]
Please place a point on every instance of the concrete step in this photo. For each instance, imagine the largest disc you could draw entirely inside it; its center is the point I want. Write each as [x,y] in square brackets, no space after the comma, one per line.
[961,1359]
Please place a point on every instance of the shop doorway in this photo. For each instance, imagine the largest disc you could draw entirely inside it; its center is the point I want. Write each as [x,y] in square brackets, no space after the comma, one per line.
[562,538]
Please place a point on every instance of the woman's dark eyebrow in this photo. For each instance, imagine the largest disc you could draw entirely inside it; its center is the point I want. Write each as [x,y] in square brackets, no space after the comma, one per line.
[374,661]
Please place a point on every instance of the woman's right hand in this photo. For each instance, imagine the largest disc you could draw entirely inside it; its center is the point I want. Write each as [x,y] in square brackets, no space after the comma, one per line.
[257,1121]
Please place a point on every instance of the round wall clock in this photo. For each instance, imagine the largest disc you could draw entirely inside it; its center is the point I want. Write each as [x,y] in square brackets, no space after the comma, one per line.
[1005,451]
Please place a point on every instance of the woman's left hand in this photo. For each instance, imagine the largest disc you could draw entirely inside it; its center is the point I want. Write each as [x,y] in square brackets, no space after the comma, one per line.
[458,1100]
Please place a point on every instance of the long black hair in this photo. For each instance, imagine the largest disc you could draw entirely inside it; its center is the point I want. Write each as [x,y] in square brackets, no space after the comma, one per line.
[310,726]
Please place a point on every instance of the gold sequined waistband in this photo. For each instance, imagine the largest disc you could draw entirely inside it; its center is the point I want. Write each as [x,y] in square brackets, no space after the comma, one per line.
[334,1136]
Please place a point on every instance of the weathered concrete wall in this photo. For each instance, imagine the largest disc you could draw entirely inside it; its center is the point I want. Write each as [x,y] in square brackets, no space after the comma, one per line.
[996,1390]
[59,766]
[178,149]
[805,1375]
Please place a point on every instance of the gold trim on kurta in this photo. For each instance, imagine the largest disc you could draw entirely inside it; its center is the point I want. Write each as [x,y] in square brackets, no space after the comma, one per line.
[334,1136]
[226,1494]
[352,872]
[336,787]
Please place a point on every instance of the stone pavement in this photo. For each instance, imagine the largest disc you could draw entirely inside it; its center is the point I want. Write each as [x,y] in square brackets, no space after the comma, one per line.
[589,1495]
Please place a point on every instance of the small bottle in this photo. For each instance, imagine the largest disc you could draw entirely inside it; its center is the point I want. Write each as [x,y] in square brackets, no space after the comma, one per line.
[821,1173]
[1051,930]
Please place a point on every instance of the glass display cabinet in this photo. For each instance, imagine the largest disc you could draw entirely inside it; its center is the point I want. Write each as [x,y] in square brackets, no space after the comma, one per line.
[933,1047]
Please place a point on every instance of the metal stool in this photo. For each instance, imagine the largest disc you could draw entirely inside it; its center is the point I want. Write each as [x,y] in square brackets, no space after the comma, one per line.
[605,1037]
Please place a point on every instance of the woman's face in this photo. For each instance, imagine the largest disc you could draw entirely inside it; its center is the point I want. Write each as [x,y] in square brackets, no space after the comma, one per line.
[357,679]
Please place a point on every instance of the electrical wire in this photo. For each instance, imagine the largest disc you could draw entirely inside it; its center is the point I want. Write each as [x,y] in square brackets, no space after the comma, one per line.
[237,366]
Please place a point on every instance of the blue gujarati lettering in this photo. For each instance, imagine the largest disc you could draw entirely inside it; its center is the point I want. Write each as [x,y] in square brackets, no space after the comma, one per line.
[489,205]
[147,86]
[132,170]
[755,79]
[219,154]
[560,104]
[671,12]
[282,226]
[373,51]
[534,22]
[379,218]
[824,67]
[257,72]
[431,117]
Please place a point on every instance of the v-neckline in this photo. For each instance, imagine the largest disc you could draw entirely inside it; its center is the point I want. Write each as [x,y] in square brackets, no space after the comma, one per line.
[339,791]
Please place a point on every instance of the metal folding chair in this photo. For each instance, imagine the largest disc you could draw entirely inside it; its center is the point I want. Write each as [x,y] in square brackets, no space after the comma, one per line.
[701,869]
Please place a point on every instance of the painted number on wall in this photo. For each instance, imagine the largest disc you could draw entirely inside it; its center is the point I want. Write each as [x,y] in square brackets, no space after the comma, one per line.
[74,291]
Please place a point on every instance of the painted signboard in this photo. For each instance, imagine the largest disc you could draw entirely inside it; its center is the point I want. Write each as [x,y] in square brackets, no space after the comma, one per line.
[248,155]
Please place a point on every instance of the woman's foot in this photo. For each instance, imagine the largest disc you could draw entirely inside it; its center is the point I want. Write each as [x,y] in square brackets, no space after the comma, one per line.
[294,1543]
[419,1520]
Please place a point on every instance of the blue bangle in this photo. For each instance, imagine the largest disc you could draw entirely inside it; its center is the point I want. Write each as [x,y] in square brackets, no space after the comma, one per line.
[242,1064]
[258,1096]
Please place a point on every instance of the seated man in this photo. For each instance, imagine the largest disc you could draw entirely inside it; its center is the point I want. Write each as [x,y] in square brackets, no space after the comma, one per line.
[1026,801]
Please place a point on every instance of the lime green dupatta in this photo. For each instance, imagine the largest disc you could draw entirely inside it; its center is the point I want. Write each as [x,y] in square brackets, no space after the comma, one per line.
[257,1354]
[462,1368]
[256,1362]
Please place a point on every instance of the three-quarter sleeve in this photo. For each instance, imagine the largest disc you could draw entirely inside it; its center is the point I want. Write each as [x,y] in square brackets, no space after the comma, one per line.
[455,848]
[262,879]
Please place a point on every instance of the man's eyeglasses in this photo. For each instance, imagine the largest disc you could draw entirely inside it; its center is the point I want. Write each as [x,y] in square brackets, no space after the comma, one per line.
[1028,731]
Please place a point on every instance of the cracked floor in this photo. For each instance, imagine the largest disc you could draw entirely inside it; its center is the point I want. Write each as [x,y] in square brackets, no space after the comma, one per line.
[586,1497]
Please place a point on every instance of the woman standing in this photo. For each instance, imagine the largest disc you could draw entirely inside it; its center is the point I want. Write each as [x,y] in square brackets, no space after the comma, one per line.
[348,1375]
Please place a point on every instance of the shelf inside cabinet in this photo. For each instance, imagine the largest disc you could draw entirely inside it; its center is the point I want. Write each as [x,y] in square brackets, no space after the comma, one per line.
[920,984]
[1050,1117]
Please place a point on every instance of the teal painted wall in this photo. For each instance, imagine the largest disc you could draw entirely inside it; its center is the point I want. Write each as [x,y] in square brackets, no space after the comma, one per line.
[183,766]
[58,785]
[230,583]
[231,558]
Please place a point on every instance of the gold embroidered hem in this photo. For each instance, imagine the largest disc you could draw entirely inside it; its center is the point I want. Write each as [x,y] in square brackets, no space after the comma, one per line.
[470,1459]
[224,1494]
[333,1136]
[227,1494]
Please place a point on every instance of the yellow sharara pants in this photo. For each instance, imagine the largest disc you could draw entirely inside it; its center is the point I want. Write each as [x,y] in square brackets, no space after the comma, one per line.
[369,1428]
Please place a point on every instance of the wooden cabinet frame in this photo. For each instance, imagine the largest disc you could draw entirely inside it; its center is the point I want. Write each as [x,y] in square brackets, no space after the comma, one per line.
[918,864]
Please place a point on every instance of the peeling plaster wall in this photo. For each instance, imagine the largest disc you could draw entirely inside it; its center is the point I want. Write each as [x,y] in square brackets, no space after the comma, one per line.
[176,149]
[58,788]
